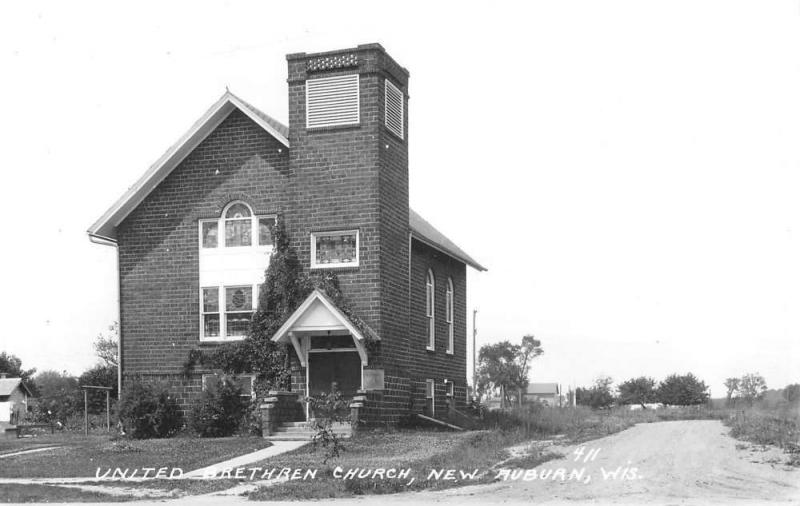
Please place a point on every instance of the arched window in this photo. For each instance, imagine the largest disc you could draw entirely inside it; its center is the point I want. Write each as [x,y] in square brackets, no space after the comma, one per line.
[234,251]
[449,314]
[430,290]
[240,225]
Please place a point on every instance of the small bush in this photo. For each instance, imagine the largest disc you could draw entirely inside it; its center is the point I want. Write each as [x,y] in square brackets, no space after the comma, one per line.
[328,409]
[147,411]
[219,411]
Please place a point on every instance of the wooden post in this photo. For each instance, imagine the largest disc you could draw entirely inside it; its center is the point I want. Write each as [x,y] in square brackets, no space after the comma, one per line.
[85,412]
[108,411]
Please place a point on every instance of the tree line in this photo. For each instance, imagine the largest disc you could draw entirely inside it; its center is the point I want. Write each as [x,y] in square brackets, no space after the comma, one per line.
[57,394]
[674,390]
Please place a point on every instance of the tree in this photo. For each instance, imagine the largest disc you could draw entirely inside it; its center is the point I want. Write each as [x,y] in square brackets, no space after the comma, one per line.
[12,366]
[506,366]
[732,387]
[683,390]
[106,346]
[101,375]
[598,396]
[792,393]
[495,368]
[59,396]
[528,350]
[752,387]
[641,390]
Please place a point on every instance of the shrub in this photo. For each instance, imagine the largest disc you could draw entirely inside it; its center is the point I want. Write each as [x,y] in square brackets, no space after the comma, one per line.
[59,397]
[147,411]
[219,411]
[328,409]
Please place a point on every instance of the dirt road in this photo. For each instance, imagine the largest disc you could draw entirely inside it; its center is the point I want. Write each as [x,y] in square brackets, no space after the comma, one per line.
[667,463]
[686,462]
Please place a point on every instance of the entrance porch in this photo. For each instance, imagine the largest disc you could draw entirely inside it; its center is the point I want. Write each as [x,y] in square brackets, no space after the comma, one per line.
[329,348]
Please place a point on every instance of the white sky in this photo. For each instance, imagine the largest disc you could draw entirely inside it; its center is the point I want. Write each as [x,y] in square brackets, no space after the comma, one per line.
[628,171]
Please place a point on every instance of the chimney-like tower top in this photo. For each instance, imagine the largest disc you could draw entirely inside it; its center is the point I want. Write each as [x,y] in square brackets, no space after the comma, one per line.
[363,58]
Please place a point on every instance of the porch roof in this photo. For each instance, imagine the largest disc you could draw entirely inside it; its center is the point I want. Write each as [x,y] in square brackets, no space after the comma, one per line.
[318,313]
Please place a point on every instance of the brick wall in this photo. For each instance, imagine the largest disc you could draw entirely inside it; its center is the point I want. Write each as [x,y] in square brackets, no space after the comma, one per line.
[158,241]
[356,177]
[438,364]
[353,177]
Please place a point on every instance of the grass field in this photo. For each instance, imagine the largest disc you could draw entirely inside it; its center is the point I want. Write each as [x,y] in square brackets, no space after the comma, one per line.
[420,451]
[81,456]
[12,493]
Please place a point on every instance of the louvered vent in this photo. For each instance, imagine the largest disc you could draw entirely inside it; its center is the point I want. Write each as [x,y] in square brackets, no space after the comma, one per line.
[332,101]
[394,109]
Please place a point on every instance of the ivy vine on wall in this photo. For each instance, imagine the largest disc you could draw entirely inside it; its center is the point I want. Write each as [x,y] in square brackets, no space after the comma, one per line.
[285,287]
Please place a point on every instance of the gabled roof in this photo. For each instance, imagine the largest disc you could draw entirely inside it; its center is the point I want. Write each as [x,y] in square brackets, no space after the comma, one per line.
[424,232]
[317,297]
[542,389]
[8,385]
[105,229]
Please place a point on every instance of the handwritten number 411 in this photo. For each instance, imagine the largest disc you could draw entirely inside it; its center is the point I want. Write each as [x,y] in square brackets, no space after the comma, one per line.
[587,455]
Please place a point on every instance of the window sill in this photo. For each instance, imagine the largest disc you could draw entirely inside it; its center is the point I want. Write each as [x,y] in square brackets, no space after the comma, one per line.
[216,342]
[450,352]
[428,348]
[334,266]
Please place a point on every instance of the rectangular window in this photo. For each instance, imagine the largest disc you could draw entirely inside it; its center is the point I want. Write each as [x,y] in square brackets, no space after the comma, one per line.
[449,317]
[211,327]
[238,310]
[227,311]
[430,306]
[393,105]
[334,249]
[209,234]
[429,397]
[265,231]
[238,232]
[332,101]
[450,389]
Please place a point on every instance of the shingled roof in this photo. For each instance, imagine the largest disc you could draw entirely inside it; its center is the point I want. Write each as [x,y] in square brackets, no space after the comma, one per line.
[8,385]
[427,234]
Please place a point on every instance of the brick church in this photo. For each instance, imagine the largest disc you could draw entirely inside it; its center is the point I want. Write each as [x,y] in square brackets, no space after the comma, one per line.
[193,242]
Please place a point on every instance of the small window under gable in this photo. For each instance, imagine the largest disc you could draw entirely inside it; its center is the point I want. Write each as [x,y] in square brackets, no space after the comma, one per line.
[332,101]
[394,109]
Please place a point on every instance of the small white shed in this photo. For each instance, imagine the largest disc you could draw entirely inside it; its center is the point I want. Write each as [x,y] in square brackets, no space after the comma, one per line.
[13,400]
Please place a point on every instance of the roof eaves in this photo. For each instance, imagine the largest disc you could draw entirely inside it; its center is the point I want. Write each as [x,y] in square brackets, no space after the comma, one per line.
[103,228]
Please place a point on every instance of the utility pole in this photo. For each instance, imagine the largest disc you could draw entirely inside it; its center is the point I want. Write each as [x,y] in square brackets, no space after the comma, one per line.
[474,354]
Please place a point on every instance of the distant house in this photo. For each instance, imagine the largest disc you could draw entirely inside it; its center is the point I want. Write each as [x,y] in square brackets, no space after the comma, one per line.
[13,400]
[546,393]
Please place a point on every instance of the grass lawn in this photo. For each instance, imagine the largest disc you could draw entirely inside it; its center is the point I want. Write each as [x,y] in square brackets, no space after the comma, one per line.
[420,451]
[81,456]
[10,493]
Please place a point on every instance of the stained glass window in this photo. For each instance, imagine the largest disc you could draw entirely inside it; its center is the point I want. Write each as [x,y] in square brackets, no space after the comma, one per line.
[211,312]
[210,234]
[265,231]
[237,211]
[335,249]
[238,309]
